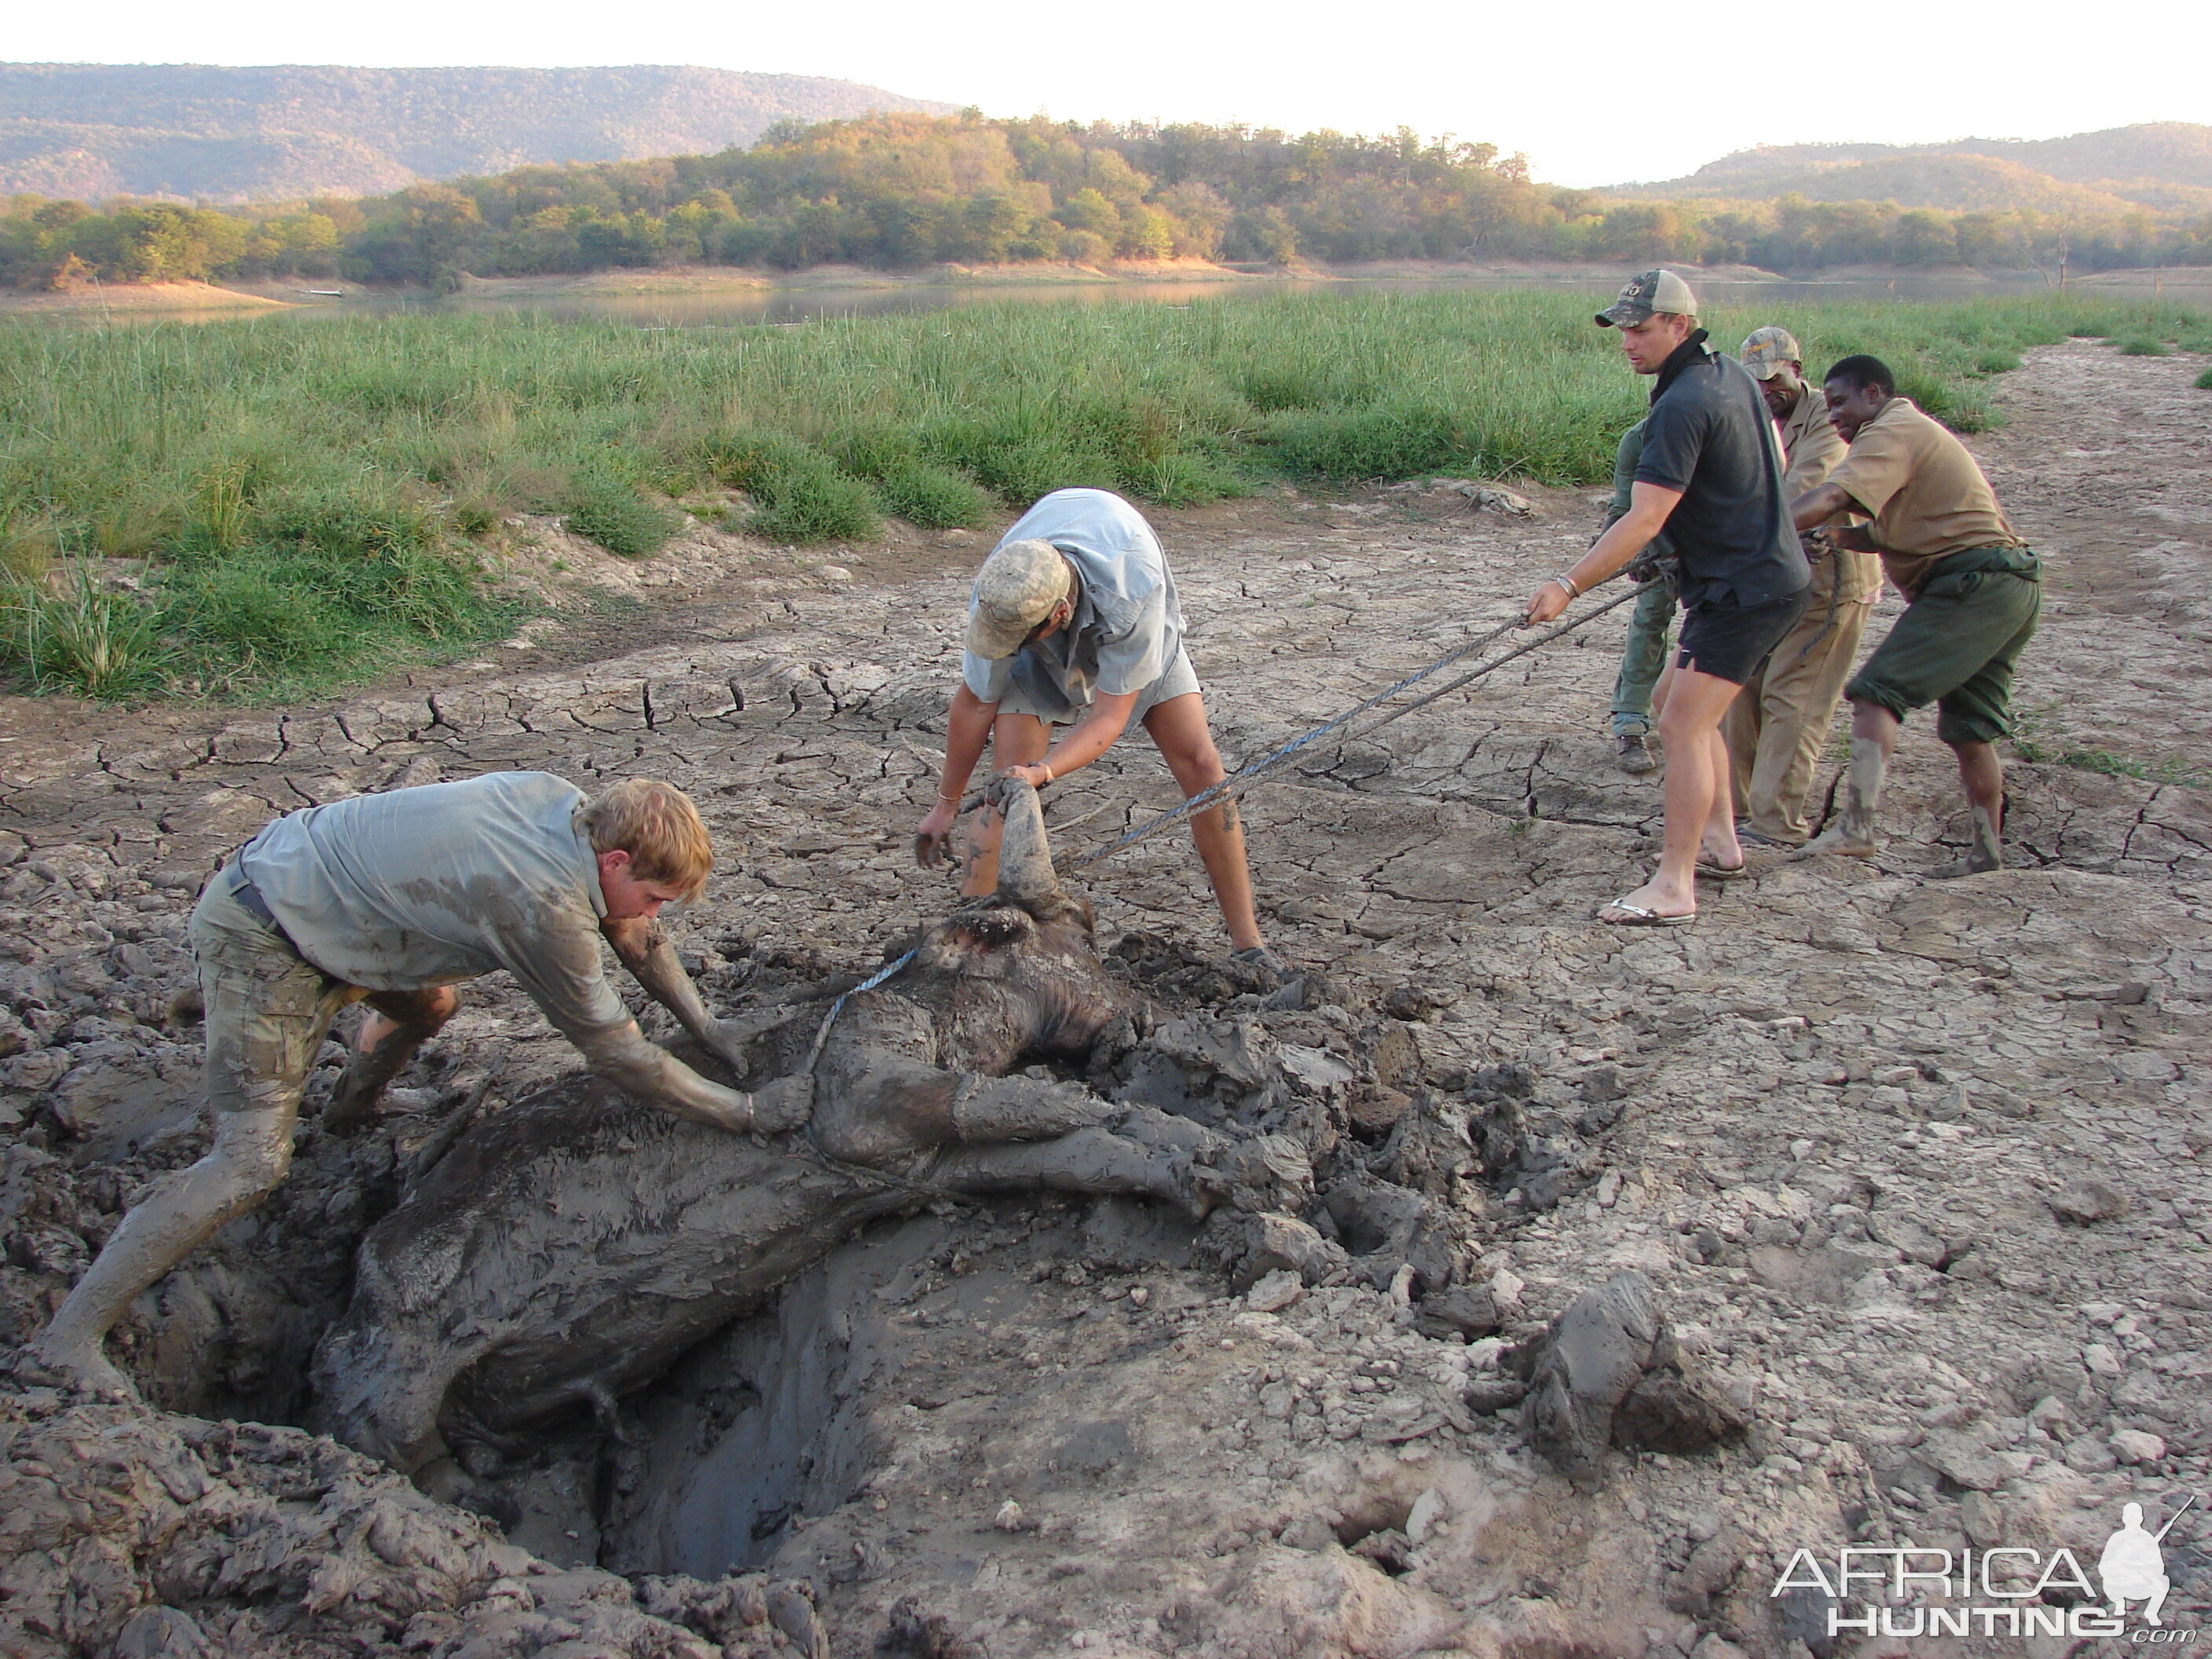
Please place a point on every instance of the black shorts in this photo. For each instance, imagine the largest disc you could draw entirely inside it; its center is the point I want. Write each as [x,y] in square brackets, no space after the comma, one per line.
[1729,641]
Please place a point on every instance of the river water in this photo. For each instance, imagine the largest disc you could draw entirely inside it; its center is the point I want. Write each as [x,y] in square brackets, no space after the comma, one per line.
[738,308]
[752,308]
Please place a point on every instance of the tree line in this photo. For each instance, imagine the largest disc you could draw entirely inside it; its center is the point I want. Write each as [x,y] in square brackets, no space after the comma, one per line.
[905,191]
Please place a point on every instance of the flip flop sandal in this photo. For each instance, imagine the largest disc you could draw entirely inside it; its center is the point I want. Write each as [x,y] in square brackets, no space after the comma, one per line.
[1635,916]
[1723,871]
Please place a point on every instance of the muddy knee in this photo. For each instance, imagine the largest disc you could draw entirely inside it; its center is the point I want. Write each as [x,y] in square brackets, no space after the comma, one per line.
[251,1153]
[399,1023]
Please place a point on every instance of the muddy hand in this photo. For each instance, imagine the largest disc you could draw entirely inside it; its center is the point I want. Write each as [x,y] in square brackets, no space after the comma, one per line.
[730,1040]
[1006,789]
[783,1104]
[933,837]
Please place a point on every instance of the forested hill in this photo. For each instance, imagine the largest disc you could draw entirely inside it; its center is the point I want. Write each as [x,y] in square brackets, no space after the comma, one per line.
[909,190]
[2160,165]
[196,132]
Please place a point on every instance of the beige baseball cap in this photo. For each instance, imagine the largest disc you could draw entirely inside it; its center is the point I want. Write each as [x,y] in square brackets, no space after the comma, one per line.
[1644,295]
[1015,590]
[1767,351]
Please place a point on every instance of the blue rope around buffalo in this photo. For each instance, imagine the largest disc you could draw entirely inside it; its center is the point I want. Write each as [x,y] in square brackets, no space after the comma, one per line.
[837,1007]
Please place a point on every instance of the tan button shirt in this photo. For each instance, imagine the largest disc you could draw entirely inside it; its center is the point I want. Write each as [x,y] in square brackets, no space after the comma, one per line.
[1926,493]
[1811,447]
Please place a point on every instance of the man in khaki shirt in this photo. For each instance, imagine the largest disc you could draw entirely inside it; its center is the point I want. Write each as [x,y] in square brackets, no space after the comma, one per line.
[1776,729]
[1974,594]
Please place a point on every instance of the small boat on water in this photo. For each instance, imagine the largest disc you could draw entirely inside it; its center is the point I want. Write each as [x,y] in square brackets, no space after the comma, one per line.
[325,293]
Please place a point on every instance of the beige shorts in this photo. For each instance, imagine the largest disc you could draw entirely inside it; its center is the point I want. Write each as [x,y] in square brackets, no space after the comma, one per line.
[1179,680]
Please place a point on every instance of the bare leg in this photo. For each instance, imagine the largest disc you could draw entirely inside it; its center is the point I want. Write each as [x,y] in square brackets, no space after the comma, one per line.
[1178,728]
[267,1014]
[1016,740]
[400,1022]
[1666,684]
[252,1149]
[1981,774]
[1718,845]
[1696,792]
[1873,740]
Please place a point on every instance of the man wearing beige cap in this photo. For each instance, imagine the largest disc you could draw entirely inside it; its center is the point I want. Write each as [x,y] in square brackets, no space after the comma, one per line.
[1776,729]
[1710,474]
[1073,621]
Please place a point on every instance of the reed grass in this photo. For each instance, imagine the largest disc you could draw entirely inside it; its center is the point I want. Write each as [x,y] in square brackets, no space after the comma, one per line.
[308,496]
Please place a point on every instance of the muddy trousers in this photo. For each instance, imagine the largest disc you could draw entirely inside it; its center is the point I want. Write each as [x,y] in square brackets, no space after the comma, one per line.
[268,1011]
[1643,658]
[1776,729]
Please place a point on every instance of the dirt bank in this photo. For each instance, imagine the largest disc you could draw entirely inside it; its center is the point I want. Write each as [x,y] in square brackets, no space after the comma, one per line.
[1915,1168]
[135,297]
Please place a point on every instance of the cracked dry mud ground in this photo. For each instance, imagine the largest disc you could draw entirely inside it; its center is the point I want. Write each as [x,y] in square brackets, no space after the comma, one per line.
[1914,1166]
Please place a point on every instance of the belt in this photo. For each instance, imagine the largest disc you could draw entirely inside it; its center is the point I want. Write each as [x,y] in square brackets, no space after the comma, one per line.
[249,898]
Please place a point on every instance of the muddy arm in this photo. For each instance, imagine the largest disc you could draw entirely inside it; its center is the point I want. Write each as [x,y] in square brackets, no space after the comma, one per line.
[642,944]
[646,1073]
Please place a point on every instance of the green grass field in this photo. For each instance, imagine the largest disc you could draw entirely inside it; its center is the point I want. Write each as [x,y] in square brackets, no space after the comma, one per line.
[303,503]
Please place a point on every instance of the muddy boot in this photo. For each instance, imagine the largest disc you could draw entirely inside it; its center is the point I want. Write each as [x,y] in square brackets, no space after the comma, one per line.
[361,1086]
[1632,753]
[1852,833]
[1985,853]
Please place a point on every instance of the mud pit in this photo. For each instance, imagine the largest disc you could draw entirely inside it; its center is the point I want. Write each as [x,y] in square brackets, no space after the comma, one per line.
[1912,1169]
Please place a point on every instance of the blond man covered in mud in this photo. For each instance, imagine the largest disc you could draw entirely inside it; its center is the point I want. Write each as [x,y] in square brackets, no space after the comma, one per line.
[391,899]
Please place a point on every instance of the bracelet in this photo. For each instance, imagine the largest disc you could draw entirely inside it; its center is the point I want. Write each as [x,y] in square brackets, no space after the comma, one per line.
[1047,772]
[950,800]
[1568,582]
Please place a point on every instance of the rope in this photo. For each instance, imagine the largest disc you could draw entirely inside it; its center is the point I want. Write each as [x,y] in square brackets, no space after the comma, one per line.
[1233,786]
[1252,771]
[813,1151]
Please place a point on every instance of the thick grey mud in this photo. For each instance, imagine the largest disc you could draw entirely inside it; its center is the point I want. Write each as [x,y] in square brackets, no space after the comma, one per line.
[1911,1171]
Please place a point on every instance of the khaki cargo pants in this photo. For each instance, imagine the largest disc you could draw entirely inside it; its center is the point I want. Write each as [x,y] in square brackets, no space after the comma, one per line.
[268,1011]
[1775,730]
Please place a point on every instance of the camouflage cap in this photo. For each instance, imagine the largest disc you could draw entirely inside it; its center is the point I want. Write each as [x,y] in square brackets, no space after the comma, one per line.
[1644,295]
[1767,351]
[1015,590]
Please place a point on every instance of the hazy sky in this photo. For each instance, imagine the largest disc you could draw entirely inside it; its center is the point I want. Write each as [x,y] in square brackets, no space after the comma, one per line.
[1554,81]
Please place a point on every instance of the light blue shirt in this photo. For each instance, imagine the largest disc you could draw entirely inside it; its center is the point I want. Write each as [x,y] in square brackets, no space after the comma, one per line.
[1127,626]
[426,886]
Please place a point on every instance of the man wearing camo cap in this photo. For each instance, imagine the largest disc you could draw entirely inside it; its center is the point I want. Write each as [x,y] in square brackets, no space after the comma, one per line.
[1777,728]
[1073,621]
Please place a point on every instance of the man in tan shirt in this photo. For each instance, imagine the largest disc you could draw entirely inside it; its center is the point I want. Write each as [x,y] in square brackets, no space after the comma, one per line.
[1775,730]
[1974,594]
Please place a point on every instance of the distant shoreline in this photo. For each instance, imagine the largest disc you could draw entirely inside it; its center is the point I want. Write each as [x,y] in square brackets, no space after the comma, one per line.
[2194,281]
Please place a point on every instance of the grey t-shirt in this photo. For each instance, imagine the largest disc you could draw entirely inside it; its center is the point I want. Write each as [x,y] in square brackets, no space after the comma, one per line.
[421,887]
[1128,625]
